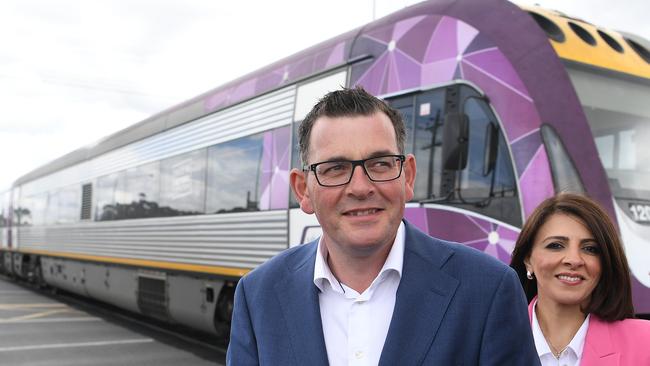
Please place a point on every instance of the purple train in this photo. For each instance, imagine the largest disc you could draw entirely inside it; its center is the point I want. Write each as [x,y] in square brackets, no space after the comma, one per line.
[165,216]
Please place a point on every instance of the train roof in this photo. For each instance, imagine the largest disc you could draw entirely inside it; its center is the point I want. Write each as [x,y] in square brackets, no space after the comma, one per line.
[570,37]
[579,41]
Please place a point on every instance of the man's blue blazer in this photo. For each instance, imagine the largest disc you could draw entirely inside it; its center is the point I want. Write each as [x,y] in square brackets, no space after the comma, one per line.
[454,306]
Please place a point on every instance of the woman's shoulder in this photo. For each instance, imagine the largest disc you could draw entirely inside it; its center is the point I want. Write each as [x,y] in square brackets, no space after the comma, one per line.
[628,327]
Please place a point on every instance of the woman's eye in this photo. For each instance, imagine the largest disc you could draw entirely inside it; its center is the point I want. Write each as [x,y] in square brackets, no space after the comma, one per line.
[554,245]
[592,249]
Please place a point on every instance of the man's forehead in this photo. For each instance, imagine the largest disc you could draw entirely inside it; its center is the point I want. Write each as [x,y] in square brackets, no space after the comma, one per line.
[331,124]
[350,117]
[335,135]
[373,154]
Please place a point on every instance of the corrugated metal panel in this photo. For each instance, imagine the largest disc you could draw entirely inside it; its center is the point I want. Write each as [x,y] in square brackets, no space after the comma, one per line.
[267,112]
[240,240]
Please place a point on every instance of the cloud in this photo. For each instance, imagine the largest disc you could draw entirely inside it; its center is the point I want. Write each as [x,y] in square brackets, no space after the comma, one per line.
[72,71]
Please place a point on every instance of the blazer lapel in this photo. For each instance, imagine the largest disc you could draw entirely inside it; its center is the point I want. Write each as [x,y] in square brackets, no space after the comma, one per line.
[598,349]
[421,302]
[298,298]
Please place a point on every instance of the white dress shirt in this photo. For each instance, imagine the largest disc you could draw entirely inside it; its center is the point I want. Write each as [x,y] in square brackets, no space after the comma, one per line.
[571,355]
[355,325]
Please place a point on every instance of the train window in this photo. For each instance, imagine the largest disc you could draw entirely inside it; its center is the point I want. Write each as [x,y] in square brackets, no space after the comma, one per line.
[422,115]
[69,205]
[31,211]
[487,184]
[233,175]
[642,51]
[583,33]
[474,183]
[551,29]
[565,175]
[52,210]
[108,187]
[182,186]
[405,106]
[427,141]
[142,192]
[610,41]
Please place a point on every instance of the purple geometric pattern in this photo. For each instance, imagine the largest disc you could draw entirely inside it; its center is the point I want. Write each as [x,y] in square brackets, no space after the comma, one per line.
[274,180]
[476,231]
[536,180]
[455,50]
[284,72]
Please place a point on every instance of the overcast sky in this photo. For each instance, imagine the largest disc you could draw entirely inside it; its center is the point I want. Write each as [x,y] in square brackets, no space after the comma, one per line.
[72,71]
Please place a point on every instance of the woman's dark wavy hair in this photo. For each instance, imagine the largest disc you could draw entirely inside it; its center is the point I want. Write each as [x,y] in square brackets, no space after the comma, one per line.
[611,299]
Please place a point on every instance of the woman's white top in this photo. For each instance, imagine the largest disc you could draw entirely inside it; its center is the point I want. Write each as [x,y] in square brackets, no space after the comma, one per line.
[570,356]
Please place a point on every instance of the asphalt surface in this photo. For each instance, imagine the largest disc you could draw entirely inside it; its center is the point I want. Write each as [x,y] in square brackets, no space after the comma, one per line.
[41,329]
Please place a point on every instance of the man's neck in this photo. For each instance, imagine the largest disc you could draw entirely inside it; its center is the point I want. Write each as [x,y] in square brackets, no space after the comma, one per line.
[357,272]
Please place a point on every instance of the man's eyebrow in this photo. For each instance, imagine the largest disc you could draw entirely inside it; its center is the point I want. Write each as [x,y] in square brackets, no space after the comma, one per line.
[382,153]
[372,155]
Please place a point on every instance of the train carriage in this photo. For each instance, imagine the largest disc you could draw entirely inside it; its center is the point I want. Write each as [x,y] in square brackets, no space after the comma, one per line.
[504,106]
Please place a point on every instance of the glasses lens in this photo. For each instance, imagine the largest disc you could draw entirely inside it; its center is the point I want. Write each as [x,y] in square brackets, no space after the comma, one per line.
[383,168]
[333,172]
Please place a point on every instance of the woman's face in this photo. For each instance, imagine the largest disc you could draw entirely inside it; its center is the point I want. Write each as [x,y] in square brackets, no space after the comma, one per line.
[565,259]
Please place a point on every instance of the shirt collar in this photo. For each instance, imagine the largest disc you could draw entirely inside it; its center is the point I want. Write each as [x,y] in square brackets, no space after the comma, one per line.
[576,345]
[323,274]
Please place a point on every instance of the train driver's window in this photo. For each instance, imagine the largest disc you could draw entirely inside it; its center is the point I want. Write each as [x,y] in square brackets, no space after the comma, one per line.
[487,184]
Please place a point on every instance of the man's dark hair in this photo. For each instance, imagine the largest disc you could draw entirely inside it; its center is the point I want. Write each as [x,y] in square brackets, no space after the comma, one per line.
[611,299]
[349,102]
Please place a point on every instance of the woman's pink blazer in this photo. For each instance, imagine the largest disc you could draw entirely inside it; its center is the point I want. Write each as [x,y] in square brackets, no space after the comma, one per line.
[618,343]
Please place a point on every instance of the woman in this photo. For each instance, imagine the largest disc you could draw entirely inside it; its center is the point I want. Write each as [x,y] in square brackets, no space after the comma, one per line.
[573,269]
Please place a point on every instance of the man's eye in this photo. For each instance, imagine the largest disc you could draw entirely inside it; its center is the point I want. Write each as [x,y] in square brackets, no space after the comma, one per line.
[333,168]
[381,164]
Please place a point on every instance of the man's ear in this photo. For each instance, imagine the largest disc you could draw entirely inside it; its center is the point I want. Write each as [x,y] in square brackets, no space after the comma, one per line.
[298,181]
[409,176]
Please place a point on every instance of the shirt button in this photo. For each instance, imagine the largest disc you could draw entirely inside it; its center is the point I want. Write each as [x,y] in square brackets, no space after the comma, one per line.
[359,355]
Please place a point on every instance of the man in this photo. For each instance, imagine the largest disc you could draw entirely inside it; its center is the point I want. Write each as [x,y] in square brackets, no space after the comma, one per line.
[373,289]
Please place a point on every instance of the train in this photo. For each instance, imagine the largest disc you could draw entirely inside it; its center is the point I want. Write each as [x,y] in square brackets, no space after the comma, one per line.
[164,217]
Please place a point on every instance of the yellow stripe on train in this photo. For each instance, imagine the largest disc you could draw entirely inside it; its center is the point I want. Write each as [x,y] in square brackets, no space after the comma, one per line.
[218,270]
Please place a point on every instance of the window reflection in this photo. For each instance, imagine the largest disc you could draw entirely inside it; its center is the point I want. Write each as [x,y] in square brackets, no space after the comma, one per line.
[234,174]
[428,142]
[619,139]
[52,208]
[493,193]
[183,184]
[142,192]
[473,183]
[476,188]
[69,205]
[105,200]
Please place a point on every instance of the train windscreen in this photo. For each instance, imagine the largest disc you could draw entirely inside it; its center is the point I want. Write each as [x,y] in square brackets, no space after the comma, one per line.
[618,111]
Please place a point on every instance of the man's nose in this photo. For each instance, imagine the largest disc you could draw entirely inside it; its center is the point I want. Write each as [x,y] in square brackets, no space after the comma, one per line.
[360,184]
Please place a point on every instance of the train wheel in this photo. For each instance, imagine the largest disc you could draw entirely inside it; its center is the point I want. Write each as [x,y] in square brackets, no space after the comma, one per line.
[223,311]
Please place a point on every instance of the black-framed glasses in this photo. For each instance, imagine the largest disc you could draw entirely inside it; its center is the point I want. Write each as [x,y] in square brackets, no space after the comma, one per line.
[339,172]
